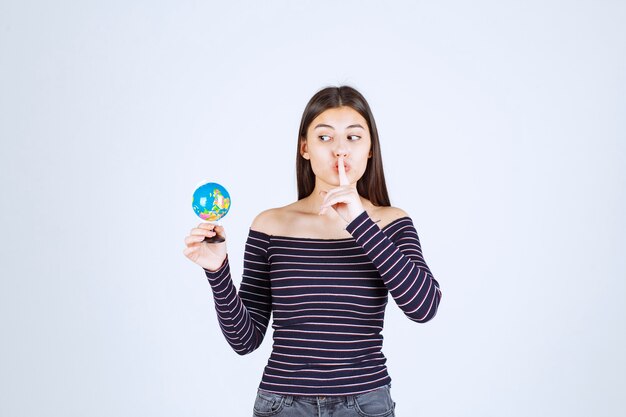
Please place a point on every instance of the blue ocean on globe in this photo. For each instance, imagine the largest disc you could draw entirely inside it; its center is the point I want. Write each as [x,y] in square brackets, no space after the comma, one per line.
[211,201]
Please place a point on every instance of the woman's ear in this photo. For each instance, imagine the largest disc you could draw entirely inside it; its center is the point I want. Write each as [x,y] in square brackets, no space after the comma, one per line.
[304,151]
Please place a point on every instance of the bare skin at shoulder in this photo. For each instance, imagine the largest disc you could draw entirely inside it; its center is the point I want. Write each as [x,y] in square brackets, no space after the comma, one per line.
[302,219]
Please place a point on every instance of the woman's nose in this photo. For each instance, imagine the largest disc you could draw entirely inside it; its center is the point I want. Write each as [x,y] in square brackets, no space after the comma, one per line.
[341,148]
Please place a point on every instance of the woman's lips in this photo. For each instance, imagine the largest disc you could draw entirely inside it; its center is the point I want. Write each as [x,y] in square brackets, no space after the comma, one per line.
[346,166]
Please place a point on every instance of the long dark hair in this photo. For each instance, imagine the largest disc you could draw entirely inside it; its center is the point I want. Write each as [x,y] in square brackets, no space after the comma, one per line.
[372,184]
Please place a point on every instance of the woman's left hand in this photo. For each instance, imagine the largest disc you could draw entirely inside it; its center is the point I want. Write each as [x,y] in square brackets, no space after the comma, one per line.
[345,200]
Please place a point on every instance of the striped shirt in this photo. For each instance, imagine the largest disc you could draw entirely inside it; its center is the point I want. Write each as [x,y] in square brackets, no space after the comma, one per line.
[328,297]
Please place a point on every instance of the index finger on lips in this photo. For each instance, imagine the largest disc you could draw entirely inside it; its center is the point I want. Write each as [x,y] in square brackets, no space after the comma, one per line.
[343,178]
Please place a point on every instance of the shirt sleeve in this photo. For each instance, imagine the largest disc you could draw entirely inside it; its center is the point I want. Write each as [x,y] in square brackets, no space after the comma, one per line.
[398,257]
[244,316]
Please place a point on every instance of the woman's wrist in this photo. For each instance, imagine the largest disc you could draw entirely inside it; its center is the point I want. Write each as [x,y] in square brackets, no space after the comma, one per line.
[355,213]
[356,220]
[213,269]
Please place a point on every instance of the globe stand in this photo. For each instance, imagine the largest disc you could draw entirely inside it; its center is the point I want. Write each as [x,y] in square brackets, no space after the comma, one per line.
[211,202]
[214,239]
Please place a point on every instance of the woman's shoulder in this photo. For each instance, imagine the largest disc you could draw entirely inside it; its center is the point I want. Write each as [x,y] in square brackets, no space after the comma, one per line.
[274,221]
[387,215]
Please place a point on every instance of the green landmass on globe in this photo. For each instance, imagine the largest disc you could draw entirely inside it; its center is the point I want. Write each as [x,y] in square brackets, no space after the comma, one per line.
[211,201]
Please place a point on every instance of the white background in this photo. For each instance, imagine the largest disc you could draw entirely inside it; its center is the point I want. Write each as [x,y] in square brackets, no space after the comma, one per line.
[503,136]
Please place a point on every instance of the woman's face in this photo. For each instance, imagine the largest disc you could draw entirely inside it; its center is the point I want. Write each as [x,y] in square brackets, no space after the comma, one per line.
[335,132]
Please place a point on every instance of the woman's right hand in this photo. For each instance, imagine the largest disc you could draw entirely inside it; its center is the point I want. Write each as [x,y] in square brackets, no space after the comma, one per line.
[208,255]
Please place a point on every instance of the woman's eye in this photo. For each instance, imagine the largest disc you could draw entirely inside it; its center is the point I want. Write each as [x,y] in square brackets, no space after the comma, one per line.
[326,138]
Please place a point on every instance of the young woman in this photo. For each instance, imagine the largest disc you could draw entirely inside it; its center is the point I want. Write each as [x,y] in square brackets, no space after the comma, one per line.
[324,265]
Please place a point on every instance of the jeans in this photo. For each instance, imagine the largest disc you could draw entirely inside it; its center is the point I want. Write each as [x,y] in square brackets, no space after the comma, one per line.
[376,403]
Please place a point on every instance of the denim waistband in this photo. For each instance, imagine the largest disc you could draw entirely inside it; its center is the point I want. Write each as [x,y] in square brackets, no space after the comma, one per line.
[319,399]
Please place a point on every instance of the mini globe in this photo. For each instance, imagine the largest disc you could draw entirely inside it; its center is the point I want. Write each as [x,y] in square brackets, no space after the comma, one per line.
[211,201]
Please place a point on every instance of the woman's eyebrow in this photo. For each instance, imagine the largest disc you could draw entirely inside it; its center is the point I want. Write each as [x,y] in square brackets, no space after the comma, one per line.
[330,127]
